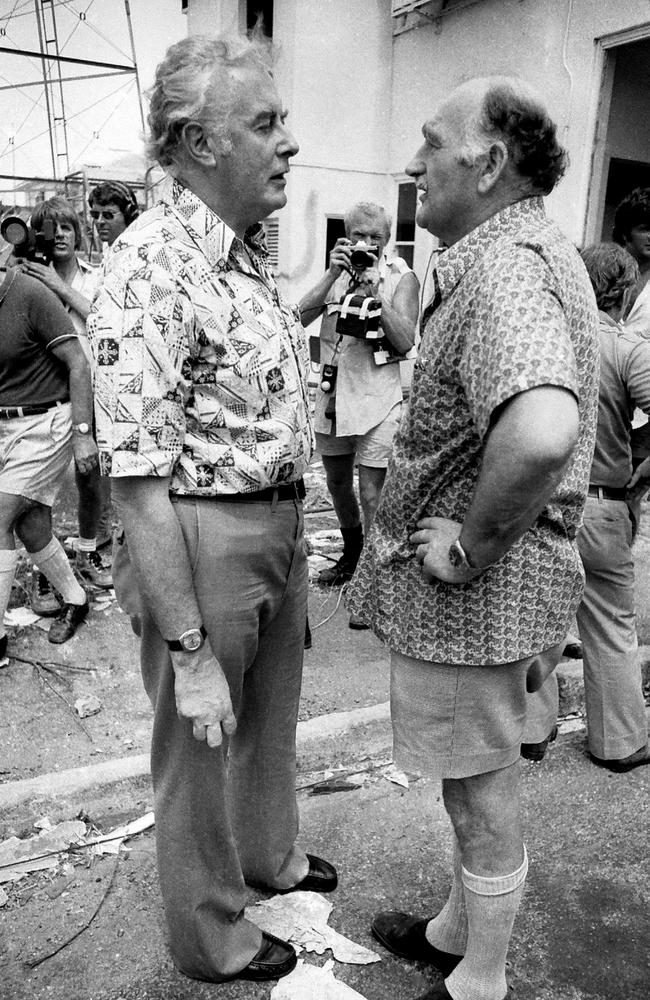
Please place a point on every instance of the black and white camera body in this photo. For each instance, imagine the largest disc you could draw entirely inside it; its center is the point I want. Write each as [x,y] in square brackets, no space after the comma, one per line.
[363,255]
[28,244]
[359,317]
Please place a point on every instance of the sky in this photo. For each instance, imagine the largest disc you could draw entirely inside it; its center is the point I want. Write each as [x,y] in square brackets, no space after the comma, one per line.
[102,117]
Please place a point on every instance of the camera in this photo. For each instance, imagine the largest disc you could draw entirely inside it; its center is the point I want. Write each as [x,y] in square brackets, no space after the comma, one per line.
[328,378]
[360,255]
[28,244]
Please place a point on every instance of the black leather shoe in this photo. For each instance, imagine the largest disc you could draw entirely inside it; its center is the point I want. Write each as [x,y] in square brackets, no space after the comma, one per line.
[338,574]
[622,764]
[65,625]
[274,958]
[405,936]
[321,877]
[536,751]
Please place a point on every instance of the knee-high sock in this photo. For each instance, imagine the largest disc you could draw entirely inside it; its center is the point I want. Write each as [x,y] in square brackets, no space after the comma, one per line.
[53,562]
[448,931]
[492,905]
[8,560]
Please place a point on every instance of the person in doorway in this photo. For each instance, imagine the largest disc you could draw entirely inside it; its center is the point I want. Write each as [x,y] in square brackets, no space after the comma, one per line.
[45,408]
[470,573]
[617,729]
[357,416]
[75,283]
[203,425]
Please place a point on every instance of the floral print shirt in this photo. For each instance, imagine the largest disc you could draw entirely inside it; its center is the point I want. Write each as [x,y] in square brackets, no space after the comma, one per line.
[514,310]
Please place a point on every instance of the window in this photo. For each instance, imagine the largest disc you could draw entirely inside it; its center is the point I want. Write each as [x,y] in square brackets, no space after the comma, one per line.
[262,10]
[405,232]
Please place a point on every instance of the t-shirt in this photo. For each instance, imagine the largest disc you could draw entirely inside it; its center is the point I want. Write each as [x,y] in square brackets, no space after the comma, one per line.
[32,321]
[515,310]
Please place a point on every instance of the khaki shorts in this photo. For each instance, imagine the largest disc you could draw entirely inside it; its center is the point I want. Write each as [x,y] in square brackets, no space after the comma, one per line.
[454,721]
[35,453]
[372,448]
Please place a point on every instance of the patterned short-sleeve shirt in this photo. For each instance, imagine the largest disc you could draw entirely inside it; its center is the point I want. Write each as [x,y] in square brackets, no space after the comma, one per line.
[515,310]
[200,365]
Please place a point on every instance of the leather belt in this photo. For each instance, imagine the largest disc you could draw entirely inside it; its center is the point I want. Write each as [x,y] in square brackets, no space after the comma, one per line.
[285,491]
[11,412]
[607,492]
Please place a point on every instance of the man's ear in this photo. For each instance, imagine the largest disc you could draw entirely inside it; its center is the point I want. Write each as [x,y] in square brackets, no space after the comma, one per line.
[493,164]
[199,147]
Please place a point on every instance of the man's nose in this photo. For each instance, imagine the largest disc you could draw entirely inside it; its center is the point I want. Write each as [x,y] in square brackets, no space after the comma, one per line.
[414,167]
[288,144]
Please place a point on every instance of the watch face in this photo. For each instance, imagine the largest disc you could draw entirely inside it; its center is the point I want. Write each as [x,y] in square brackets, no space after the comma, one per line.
[192,640]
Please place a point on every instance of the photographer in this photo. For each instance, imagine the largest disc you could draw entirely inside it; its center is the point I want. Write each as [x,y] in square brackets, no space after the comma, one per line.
[358,406]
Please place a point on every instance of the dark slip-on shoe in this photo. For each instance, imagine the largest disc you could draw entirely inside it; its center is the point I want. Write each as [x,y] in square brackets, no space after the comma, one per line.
[537,751]
[273,959]
[321,877]
[620,765]
[405,936]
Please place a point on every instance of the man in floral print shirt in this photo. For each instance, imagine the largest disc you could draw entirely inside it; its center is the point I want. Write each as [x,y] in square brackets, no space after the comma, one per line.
[203,426]
[471,574]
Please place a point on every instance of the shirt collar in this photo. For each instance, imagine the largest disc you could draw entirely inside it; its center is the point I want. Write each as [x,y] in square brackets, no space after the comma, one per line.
[210,233]
[456,261]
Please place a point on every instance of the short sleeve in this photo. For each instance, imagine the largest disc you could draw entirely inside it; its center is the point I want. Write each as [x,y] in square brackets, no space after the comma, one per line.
[50,320]
[518,337]
[139,330]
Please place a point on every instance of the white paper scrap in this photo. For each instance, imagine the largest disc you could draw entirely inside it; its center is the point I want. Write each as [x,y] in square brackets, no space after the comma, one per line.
[110,843]
[308,982]
[19,857]
[301,917]
[20,617]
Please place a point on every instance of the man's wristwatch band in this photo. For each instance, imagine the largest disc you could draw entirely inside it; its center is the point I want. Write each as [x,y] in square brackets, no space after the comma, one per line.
[458,557]
[189,641]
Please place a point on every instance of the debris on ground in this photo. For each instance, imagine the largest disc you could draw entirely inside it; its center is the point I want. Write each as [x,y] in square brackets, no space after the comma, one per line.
[20,617]
[86,705]
[45,850]
[302,918]
[309,981]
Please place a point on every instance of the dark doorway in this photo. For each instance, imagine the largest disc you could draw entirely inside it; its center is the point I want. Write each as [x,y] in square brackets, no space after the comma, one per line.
[335,229]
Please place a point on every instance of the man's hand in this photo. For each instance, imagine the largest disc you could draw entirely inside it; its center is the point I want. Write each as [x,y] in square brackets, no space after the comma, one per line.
[85,452]
[203,696]
[641,476]
[47,275]
[433,539]
[340,258]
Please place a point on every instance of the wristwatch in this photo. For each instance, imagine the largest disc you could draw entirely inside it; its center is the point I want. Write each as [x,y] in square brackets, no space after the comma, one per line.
[189,641]
[82,428]
[458,557]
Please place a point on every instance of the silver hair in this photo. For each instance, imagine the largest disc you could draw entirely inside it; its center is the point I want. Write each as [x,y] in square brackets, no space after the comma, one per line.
[370,210]
[512,112]
[194,84]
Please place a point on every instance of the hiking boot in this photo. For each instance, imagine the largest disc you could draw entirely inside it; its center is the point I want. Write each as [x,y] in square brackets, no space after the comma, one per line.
[338,574]
[68,621]
[90,566]
[42,596]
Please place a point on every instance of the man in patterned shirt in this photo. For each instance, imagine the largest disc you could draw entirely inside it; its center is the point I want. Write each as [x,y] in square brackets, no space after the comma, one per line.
[472,553]
[203,426]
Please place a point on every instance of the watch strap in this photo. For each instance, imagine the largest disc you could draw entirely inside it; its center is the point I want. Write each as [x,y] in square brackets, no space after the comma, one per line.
[177,646]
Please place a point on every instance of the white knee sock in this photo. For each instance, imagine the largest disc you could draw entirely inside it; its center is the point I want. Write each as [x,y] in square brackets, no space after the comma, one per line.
[8,560]
[53,562]
[448,931]
[87,544]
[492,905]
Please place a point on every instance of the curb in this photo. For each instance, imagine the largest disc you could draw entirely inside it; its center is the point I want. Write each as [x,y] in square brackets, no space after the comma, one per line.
[80,779]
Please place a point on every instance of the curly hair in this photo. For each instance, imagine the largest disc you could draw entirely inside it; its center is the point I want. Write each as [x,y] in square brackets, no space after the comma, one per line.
[193,83]
[512,112]
[633,211]
[612,270]
[116,193]
[58,209]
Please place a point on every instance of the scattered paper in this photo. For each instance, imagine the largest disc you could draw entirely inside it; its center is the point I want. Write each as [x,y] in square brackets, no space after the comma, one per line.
[301,917]
[307,982]
[88,704]
[20,857]
[397,777]
[20,617]
[110,843]
[3,897]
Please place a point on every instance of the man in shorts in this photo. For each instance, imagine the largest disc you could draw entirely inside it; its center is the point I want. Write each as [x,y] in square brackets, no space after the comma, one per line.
[45,417]
[356,418]
[75,283]
[471,573]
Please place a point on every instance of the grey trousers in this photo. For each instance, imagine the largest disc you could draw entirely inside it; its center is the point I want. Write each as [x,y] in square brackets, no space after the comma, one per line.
[228,816]
[616,715]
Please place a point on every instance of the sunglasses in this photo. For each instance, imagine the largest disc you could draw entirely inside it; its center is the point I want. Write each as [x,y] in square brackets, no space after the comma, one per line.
[101,214]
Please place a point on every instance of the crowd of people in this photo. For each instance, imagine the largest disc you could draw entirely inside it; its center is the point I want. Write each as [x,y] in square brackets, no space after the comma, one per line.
[468,552]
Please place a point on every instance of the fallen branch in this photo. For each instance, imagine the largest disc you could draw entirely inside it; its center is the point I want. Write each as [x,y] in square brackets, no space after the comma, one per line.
[33,963]
[40,670]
